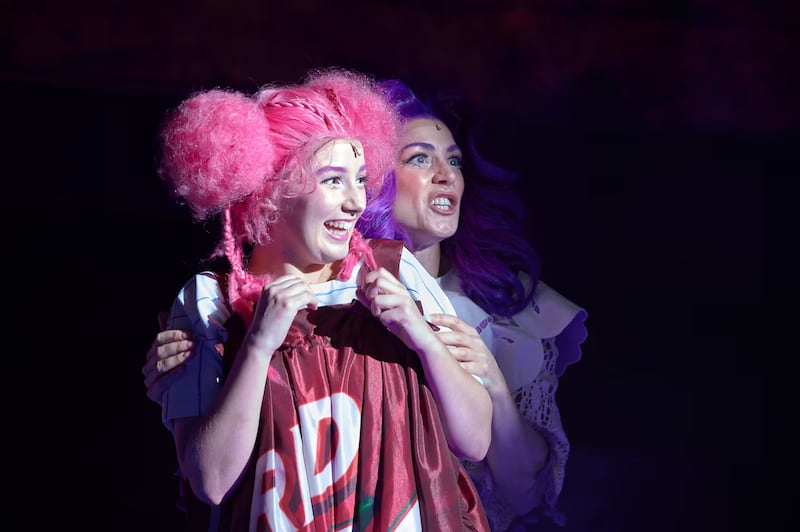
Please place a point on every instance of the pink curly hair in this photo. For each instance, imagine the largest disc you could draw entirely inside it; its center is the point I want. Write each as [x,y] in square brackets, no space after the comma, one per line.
[227,152]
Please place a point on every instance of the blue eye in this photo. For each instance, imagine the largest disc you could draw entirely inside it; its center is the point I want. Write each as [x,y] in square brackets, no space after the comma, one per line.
[418,159]
[455,162]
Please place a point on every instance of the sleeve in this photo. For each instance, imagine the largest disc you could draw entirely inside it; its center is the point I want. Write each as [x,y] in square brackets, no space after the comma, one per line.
[201,308]
[557,317]
[536,402]
[533,349]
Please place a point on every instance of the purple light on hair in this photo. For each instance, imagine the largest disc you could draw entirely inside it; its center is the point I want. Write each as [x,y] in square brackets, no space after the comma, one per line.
[489,249]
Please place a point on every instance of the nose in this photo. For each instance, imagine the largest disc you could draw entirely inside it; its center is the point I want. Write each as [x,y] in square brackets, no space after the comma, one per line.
[355,200]
[444,172]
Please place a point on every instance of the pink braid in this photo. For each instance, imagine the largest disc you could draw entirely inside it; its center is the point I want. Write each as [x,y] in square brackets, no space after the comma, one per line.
[359,251]
[244,288]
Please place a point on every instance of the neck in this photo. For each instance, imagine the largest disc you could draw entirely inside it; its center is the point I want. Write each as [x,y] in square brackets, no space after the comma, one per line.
[431,258]
[265,261]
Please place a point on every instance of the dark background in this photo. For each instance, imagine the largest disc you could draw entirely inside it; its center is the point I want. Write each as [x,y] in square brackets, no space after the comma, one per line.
[656,141]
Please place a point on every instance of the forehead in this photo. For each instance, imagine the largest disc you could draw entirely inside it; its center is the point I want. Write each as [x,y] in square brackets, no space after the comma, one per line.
[429,130]
[340,152]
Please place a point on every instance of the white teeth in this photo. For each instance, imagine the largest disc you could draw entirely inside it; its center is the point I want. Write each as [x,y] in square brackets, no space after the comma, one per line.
[344,226]
[442,203]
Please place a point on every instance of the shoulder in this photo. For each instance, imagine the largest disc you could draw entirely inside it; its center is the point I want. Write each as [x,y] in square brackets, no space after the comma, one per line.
[551,312]
[203,281]
[200,303]
[555,316]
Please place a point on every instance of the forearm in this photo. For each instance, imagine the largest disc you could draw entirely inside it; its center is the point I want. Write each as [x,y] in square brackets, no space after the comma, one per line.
[517,454]
[464,404]
[214,449]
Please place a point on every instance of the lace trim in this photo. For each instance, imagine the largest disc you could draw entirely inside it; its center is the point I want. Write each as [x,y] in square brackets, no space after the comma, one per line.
[536,401]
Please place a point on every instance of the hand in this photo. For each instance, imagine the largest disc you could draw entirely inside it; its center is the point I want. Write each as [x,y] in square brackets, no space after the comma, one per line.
[389,301]
[469,349]
[277,307]
[164,361]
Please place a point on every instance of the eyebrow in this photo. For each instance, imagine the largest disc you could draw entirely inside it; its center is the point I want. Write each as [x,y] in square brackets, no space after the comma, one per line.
[338,169]
[429,146]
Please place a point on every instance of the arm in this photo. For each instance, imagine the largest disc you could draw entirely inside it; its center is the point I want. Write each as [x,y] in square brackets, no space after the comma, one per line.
[518,452]
[464,404]
[531,350]
[214,448]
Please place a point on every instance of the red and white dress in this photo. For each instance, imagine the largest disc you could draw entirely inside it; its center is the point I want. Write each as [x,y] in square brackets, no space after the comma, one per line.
[351,435]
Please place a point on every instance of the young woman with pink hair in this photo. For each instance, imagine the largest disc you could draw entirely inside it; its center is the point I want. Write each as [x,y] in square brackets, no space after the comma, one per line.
[318,398]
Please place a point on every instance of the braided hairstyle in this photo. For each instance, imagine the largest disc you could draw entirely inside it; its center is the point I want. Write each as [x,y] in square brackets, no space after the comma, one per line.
[238,155]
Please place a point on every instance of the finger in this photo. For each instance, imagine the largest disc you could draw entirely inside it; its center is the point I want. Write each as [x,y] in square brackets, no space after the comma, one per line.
[168,363]
[462,354]
[156,356]
[452,338]
[168,343]
[450,321]
[172,335]
[383,279]
[399,304]
[472,369]
[294,294]
[287,285]
[173,348]
[161,367]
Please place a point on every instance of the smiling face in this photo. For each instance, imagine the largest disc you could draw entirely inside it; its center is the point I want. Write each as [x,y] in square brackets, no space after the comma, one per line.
[429,182]
[315,228]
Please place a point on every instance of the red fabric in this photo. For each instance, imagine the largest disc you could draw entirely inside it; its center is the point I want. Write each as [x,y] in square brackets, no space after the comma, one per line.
[354,399]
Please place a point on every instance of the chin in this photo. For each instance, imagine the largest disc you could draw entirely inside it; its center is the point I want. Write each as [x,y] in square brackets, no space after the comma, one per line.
[444,233]
[331,255]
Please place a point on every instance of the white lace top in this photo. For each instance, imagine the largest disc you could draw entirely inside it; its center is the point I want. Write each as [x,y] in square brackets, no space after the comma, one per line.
[533,348]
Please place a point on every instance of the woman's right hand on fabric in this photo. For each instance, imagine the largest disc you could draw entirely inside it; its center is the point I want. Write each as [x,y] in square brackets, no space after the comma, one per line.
[391,303]
[280,301]
[164,360]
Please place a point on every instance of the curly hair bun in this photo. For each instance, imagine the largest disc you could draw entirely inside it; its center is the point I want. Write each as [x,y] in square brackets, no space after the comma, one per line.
[215,150]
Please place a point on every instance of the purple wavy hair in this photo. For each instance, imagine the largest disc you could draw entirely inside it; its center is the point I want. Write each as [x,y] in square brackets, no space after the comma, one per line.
[489,248]
[229,153]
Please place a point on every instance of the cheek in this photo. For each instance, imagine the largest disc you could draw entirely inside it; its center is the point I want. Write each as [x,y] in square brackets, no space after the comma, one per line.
[404,201]
[408,187]
[405,210]
[459,183]
[361,202]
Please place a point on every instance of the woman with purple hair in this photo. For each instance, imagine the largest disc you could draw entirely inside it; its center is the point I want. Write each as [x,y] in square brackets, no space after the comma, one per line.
[463,219]
[318,397]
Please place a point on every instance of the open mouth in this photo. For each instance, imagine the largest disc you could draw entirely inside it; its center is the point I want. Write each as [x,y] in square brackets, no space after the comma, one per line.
[442,204]
[338,228]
